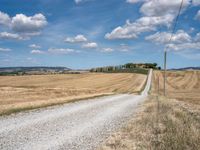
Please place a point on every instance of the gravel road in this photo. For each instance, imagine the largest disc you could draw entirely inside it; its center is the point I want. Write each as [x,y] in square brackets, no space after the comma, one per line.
[75,126]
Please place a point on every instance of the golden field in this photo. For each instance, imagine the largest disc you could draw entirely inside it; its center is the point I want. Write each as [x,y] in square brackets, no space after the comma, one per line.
[33,91]
[164,123]
[181,85]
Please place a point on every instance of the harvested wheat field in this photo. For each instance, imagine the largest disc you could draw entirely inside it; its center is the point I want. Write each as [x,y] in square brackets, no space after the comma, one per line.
[26,92]
[181,85]
[164,123]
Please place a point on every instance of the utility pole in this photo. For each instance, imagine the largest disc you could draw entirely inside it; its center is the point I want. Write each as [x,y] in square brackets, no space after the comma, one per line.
[165,67]
[165,52]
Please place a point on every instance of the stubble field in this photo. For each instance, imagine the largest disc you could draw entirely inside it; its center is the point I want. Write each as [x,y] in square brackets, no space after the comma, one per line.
[164,123]
[181,85]
[26,92]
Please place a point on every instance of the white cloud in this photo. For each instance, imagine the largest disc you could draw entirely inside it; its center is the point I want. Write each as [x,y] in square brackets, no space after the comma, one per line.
[35,51]
[197,17]
[77,39]
[11,36]
[191,30]
[61,50]
[163,37]
[58,51]
[107,50]
[184,46]
[5,49]
[90,45]
[4,19]
[24,24]
[78,1]
[162,7]
[134,1]
[197,37]
[124,48]
[180,41]
[125,32]
[34,46]
[196,2]
[155,13]
[143,24]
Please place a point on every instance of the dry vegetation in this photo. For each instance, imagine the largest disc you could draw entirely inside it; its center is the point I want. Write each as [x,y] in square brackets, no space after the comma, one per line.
[164,123]
[172,128]
[26,92]
[181,85]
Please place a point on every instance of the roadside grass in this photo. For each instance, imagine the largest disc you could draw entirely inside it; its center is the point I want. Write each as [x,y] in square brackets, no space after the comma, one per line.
[172,128]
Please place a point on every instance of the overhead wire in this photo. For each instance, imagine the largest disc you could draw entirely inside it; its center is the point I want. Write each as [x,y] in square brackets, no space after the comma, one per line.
[175,24]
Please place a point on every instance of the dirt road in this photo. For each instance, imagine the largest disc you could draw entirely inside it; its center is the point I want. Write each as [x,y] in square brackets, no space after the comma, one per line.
[76,126]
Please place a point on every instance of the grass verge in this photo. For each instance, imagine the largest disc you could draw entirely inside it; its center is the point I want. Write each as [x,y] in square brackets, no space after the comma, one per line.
[173,127]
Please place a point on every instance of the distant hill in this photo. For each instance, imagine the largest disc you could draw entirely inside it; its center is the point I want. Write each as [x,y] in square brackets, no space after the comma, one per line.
[187,68]
[38,68]
[32,70]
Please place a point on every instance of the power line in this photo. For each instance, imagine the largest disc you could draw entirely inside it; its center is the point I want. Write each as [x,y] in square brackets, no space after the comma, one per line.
[175,24]
[165,51]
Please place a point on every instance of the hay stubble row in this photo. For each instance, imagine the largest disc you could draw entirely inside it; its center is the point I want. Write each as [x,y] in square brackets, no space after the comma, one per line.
[21,92]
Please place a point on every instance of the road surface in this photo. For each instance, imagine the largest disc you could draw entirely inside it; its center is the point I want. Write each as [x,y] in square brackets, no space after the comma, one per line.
[75,126]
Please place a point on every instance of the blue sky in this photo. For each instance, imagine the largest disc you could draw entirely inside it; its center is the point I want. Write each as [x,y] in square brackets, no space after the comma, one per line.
[88,33]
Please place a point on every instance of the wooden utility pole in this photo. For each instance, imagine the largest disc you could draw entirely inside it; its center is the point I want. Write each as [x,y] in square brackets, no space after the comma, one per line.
[165,67]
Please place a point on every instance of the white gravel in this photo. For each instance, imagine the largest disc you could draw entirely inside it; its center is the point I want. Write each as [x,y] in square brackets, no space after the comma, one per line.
[76,126]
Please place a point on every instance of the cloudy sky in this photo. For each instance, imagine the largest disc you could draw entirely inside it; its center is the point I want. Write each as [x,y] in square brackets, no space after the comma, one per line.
[89,33]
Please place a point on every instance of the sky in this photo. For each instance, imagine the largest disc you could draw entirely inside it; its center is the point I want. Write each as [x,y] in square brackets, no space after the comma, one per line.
[82,34]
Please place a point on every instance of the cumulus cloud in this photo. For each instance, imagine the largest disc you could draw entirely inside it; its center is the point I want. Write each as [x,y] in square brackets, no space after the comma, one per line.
[155,13]
[162,7]
[23,26]
[197,17]
[184,46]
[90,45]
[57,51]
[124,47]
[196,2]
[134,1]
[36,51]
[11,36]
[4,19]
[34,46]
[163,37]
[180,41]
[5,49]
[197,37]
[78,1]
[125,32]
[77,39]
[143,24]
[107,50]
[23,23]
[61,50]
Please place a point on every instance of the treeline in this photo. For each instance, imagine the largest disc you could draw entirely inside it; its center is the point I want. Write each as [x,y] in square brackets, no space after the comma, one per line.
[129,67]
[142,65]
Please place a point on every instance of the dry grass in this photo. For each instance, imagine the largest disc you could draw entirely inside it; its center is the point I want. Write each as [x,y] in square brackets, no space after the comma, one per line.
[177,128]
[26,92]
[181,85]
